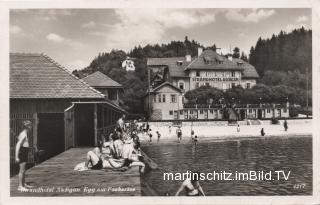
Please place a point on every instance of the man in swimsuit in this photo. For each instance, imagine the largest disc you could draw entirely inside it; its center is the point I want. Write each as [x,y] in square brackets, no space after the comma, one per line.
[21,154]
[192,187]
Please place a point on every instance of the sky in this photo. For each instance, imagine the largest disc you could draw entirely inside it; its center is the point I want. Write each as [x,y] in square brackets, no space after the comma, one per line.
[73,37]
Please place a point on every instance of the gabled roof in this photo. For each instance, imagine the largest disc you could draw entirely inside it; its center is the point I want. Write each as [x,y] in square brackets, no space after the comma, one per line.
[165,84]
[38,76]
[175,69]
[210,60]
[98,79]
[249,71]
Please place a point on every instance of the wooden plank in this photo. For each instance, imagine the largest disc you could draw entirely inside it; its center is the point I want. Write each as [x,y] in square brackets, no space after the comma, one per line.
[58,172]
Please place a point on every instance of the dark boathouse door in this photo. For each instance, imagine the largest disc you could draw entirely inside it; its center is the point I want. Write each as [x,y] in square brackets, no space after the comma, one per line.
[84,125]
[51,133]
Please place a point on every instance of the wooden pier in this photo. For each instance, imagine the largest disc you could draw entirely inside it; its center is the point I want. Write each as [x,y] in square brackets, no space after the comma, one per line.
[56,177]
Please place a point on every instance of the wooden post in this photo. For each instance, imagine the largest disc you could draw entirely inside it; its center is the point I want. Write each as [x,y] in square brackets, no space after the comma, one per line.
[95,119]
[35,130]
[35,138]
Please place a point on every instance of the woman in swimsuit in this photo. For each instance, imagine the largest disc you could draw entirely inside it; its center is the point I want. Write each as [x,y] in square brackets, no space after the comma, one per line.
[95,157]
[192,188]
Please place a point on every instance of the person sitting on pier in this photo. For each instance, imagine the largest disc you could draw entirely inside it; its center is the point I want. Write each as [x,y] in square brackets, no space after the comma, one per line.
[116,146]
[94,157]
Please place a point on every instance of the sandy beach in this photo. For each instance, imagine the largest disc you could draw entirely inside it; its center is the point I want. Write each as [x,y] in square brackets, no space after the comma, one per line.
[220,130]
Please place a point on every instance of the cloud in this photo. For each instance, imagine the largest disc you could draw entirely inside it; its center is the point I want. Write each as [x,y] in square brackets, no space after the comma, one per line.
[14,29]
[76,65]
[145,26]
[45,14]
[302,19]
[90,24]
[251,15]
[56,38]
[242,35]
[291,27]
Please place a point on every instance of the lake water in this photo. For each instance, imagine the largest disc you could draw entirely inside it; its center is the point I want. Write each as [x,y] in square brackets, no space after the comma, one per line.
[260,154]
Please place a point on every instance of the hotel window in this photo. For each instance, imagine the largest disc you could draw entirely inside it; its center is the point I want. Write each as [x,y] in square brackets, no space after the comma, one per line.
[233,74]
[191,112]
[284,110]
[207,84]
[248,85]
[211,111]
[197,73]
[159,98]
[268,110]
[173,98]
[181,85]
[197,85]
[201,112]
[170,112]
[154,98]
[250,110]
[163,98]
[233,85]
[181,112]
[224,86]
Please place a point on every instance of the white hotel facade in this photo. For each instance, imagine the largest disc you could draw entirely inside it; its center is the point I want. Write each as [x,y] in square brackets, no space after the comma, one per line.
[177,75]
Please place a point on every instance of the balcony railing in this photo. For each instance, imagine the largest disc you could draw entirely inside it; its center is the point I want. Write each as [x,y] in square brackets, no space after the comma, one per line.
[268,105]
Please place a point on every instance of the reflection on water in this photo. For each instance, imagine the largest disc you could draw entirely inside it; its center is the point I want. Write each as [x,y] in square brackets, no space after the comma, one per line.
[262,154]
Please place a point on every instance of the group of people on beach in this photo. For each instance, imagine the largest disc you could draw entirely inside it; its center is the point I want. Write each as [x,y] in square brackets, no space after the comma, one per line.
[120,150]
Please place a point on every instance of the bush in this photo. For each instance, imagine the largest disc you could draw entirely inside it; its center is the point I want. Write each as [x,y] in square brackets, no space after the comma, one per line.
[293,112]
[274,121]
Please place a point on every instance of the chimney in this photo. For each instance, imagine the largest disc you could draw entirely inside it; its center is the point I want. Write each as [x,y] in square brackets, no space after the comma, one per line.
[200,49]
[188,58]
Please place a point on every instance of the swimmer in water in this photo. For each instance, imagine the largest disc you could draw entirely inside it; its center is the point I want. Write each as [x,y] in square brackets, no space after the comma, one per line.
[195,140]
[191,186]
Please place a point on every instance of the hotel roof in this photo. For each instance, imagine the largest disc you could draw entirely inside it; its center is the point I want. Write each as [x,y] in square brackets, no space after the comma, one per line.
[208,60]
[98,79]
[249,70]
[37,76]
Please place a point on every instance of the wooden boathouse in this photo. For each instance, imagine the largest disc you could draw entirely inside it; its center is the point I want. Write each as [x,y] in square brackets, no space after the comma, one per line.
[65,111]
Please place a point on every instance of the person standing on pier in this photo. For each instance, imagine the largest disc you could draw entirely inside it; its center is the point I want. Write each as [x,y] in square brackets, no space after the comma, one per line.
[120,124]
[21,154]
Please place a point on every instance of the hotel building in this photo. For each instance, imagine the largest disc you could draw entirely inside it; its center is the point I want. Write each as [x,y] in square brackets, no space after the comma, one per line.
[177,75]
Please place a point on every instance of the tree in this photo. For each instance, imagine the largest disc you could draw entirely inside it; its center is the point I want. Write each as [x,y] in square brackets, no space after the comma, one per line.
[244,57]
[236,52]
